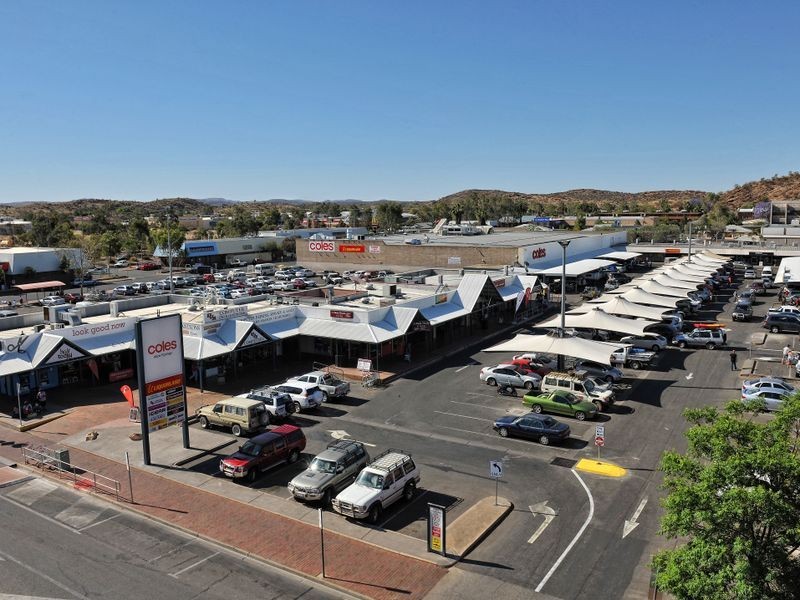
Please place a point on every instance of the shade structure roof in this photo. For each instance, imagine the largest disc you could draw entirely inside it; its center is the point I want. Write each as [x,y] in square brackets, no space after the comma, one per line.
[578,267]
[618,305]
[662,290]
[679,272]
[620,255]
[669,281]
[640,296]
[597,318]
[565,346]
[696,269]
[41,285]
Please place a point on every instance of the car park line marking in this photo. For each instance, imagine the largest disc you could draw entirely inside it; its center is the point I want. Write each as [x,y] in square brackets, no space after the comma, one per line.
[632,524]
[458,415]
[99,522]
[500,408]
[168,552]
[193,565]
[44,576]
[495,436]
[575,539]
[548,513]
[479,394]
[38,514]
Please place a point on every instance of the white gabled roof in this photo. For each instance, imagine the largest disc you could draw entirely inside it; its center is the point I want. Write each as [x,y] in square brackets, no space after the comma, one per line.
[640,296]
[667,280]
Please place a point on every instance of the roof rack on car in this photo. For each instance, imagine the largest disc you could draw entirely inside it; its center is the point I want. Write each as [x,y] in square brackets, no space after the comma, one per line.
[387,462]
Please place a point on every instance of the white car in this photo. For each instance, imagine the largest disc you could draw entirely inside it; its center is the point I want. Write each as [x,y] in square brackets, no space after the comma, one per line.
[749,274]
[306,396]
[52,301]
[766,384]
[310,283]
[772,400]
[238,294]
[120,264]
[648,341]
[283,286]
[509,375]
[303,273]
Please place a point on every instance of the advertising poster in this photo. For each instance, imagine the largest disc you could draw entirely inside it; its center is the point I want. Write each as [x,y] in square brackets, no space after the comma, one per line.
[436,529]
[162,394]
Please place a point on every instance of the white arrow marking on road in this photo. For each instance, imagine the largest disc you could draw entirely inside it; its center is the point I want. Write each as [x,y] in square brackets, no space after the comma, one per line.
[548,513]
[632,523]
[339,434]
[689,376]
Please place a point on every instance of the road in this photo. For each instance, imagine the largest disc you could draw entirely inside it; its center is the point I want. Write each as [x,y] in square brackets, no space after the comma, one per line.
[61,544]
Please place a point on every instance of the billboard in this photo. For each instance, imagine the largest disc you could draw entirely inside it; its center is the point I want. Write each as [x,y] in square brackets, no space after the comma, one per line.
[162,397]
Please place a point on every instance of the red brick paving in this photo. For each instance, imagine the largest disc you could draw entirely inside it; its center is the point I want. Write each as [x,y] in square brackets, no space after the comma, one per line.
[349,563]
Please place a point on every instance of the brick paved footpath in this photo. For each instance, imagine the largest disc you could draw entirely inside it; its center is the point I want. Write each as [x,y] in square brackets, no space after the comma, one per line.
[349,563]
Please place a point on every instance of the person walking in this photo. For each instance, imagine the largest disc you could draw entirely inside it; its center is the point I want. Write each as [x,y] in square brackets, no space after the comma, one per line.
[733,360]
[786,350]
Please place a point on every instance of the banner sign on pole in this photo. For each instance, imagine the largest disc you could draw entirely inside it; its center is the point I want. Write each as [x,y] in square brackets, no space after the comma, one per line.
[437,526]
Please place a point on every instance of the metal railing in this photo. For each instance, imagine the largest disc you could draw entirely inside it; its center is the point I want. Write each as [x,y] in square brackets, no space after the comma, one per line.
[58,460]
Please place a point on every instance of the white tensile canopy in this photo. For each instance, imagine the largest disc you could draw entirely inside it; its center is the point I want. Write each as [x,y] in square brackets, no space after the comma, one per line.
[597,318]
[694,268]
[640,296]
[575,347]
[667,280]
[714,257]
[656,288]
[683,273]
[618,305]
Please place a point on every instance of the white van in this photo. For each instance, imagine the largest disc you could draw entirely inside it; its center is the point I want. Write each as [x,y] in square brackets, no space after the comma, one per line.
[264,269]
[766,272]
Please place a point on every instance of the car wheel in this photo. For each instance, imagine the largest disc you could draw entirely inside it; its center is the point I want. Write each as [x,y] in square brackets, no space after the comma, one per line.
[203,422]
[293,456]
[491,381]
[324,396]
[710,345]
[251,476]
[681,344]
[297,407]
[544,440]
[528,385]
[636,366]
[409,491]
[236,430]
[655,348]
[774,329]
[536,408]
[581,416]
[503,432]
[374,514]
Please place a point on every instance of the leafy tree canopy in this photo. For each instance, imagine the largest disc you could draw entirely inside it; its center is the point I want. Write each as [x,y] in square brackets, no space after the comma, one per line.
[735,497]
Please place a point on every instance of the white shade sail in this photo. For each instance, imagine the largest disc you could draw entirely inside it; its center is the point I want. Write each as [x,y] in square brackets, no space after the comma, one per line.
[687,274]
[597,318]
[656,288]
[640,296]
[668,281]
[577,267]
[566,346]
[695,269]
[618,305]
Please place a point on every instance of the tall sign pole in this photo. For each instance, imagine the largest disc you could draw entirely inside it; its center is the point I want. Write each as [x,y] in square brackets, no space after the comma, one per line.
[563,244]
[162,381]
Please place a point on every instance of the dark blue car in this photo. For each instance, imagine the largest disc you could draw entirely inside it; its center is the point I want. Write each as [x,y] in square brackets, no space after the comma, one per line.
[542,428]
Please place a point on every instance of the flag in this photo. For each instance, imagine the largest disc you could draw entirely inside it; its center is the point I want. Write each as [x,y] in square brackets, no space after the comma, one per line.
[127,392]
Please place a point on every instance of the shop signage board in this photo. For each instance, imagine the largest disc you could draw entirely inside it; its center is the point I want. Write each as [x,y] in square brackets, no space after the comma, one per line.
[254,337]
[341,314]
[453,260]
[216,316]
[499,283]
[321,246]
[64,353]
[437,527]
[374,249]
[364,364]
[357,248]
[162,395]
[440,299]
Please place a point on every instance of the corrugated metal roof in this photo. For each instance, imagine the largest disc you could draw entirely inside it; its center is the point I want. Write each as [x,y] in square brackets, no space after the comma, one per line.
[445,311]
[43,347]
[201,348]
[355,332]
[282,329]
[395,323]
[470,288]
[620,255]
[124,340]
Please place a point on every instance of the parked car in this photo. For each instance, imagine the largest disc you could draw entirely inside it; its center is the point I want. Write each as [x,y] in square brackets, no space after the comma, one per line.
[742,312]
[506,375]
[758,287]
[581,386]
[749,274]
[793,310]
[52,301]
[284,275]
[561,403]
[782,322]
[84,282]
[304,273]
[120,264]
[700,338]
[284,286]
[767,384]
[305,396]
[264,451]
[604,372]
[148,266]
[772,400]
[241,415]
[124,290]
[72,297]
[330,471]
[298,284]
[542,428]
[540,368]
[8,313]
[391,476]
[331,386]
[647,341]
[413,241]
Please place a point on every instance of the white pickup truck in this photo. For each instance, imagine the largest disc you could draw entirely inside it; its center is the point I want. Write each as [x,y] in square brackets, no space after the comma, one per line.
[784,310]
[331,386]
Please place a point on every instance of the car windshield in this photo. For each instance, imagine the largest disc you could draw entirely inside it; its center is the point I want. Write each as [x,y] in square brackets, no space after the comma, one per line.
[372,480]
[588,384]
[250,449]
[549,422]
[323,466]
[570,398]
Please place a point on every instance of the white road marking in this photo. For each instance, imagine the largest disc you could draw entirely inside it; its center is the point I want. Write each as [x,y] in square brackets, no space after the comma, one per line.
[484,395]
[38,514]
[99,522]
[508,439]
[58,584]
[462,368]
[548,513]
[31,491]
[513,411]
[168,552]
[193,565]
[689,376]
[458,415]
[632,524]
[574,540]
[80,514]
[339,434]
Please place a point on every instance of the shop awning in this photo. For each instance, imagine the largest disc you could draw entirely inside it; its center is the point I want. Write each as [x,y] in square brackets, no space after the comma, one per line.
[439,313]
[552,344]
[578,267]
[597,318]
[42,285]
[279,330]
[202,348]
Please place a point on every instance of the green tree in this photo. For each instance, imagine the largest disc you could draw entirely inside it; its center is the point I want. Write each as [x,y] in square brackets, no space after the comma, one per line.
[733,496]
[389,215]
[108,244]
[48,230]
[580,222]
[243,222]
[169,237]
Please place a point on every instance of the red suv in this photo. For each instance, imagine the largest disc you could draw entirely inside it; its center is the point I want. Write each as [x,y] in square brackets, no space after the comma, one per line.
[147,266]
[264,451]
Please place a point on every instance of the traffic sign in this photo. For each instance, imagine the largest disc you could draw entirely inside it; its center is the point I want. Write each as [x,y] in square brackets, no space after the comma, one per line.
[495,469]
[599,441]
[599,431]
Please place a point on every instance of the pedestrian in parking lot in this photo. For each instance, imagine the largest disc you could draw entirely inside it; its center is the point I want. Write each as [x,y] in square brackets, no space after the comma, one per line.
[733,359]
[786,351]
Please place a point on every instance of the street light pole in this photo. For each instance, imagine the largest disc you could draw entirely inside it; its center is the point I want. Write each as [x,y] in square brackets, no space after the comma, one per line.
[169,249]
[690,242]
[563,244]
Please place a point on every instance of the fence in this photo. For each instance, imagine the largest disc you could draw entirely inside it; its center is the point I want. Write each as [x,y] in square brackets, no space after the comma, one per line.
[58,460]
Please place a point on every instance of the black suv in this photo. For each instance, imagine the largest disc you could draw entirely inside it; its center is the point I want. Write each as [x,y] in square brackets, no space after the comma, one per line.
[780,323]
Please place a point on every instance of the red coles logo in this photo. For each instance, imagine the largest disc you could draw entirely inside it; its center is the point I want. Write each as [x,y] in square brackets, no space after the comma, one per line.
[539,253]
[165,346]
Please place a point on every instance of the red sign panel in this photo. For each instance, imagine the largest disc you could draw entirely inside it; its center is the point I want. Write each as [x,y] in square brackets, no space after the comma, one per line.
[341,314]
[352,248]
[599,441]
[672,250]
[538,253]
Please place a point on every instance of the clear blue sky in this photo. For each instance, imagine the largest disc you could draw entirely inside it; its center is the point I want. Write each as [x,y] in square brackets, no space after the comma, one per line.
[402,100]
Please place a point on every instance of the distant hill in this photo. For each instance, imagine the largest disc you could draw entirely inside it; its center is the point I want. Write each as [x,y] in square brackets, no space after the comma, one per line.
[598,197]
[784,187]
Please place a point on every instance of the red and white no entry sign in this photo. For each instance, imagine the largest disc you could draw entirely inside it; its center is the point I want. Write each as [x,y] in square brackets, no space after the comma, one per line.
[599,441]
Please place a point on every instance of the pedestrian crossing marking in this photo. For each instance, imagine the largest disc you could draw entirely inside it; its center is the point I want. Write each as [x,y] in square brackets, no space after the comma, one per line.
[80,514]
[30,492]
